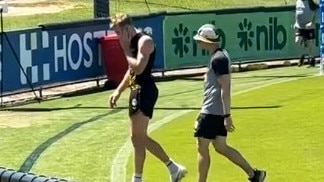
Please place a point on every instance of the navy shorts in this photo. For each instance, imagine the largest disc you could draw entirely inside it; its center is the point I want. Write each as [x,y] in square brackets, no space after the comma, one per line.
[143,99]
[209,126]
[306,34]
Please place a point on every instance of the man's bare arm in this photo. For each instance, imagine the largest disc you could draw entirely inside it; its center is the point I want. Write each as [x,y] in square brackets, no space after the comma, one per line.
[225,84]
[146,47]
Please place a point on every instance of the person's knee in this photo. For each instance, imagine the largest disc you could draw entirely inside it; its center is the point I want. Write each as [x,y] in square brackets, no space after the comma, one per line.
[221,148]
[138,139]
[138,134]
[203,150]
[150,141]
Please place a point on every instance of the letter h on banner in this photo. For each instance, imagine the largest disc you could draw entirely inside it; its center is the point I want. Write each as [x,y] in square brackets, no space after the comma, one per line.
[27,56]
[27,59]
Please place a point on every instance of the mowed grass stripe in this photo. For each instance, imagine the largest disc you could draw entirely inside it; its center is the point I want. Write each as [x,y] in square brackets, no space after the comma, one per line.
[47,124]
[287,140]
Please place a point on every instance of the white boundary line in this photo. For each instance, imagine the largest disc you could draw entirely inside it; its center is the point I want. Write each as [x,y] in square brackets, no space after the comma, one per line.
[118,167]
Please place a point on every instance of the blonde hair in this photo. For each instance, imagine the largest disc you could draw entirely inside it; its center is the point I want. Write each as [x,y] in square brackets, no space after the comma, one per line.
[120,20]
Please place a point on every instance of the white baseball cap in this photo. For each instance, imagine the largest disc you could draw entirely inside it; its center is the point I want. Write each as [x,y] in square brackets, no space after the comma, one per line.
[207,33]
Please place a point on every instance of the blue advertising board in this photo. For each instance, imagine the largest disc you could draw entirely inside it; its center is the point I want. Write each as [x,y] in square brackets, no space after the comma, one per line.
[154,27]
[64,53]
[51,57]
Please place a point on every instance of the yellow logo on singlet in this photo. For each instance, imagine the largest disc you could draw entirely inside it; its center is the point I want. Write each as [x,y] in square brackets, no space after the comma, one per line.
[132,81]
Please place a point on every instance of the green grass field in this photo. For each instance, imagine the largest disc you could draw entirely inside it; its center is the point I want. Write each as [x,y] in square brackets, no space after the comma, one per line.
[83,9]
[277,113]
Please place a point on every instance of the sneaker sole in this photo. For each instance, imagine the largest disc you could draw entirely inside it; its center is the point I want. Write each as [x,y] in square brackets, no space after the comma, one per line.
[262,177]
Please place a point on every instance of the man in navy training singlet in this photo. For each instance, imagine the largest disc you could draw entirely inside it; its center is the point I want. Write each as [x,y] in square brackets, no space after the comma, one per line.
[139,50]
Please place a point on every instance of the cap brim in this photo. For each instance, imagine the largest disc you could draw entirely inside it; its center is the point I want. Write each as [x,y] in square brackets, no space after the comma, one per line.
[200,38]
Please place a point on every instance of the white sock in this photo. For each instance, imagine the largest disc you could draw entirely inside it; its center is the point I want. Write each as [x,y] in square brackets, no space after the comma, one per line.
[137,178]
[173,168]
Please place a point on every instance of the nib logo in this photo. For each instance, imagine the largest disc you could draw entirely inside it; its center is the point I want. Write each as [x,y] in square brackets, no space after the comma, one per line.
[181,40]
[246,34]
[271,36]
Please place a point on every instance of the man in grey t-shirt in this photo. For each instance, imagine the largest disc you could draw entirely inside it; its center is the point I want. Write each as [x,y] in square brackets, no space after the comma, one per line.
[214,120]
[305,27]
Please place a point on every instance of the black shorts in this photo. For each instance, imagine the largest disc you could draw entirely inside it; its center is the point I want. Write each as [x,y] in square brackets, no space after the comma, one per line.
[143,99]
[306,34]
[209,126]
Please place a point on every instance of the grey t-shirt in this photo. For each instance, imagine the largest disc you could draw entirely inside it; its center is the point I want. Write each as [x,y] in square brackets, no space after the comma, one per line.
[304,14]
[219,65]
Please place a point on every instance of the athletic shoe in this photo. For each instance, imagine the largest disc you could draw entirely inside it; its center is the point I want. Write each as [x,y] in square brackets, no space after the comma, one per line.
[179,174]
[259,176]
[301,60]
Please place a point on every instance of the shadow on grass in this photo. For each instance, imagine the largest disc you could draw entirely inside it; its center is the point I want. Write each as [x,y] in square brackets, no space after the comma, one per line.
[201,78]
[123,108]
[268,77]
[33,157]
[15,108]
[273,76]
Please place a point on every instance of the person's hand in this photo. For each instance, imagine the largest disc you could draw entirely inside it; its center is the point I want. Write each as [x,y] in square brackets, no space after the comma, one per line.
[124,40]
[229,124]
[114,98]
[123,43]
